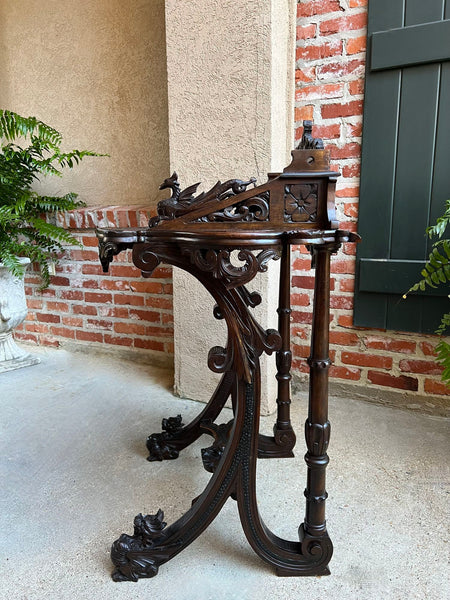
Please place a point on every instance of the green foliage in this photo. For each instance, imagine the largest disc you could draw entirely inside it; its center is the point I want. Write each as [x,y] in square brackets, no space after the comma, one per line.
[435,273]
[24,231]
[443,358]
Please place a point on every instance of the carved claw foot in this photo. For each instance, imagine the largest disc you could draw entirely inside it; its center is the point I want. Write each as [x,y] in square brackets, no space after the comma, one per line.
[132,554]
[158,444]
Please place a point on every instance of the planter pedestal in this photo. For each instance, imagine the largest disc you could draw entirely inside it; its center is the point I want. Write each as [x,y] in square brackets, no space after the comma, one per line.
[12,357]
[13,310]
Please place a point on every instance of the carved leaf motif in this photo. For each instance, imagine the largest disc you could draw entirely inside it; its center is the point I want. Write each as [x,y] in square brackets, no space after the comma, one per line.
[149,527]
[159,445]
[133,555]
[212,455]
[317,437]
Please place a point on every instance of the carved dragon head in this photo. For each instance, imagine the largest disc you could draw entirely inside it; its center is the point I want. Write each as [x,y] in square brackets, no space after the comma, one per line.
[173,184]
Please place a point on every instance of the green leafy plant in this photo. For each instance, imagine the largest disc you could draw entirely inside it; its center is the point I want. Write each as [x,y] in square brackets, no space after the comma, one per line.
[437,272]
[24,228]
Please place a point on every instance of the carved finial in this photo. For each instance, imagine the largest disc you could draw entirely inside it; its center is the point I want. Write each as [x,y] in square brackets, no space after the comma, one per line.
[308,142]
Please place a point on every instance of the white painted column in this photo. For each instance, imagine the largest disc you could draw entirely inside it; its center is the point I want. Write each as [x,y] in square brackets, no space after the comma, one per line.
[230,66]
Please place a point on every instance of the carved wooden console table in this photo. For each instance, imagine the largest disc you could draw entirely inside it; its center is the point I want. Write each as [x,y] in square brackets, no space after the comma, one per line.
[200,234]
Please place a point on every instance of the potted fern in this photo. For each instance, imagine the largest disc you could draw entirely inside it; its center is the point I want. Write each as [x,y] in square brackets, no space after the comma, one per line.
[29,150]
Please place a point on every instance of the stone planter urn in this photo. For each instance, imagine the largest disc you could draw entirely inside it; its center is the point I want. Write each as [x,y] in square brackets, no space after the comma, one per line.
[13,310]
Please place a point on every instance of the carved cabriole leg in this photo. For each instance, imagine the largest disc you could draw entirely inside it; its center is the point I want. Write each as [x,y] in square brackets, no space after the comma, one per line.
[317,426]
[283,442]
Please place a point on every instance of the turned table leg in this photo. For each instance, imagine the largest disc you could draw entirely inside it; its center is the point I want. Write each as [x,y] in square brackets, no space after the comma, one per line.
[283,440]
[317,426]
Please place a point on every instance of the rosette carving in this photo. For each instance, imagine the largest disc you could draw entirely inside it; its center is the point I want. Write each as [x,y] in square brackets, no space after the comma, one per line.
[300,202]
[284,437]
[317,549]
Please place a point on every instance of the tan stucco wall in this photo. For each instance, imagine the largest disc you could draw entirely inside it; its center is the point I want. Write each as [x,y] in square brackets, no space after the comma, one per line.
[96,71]
[230,80]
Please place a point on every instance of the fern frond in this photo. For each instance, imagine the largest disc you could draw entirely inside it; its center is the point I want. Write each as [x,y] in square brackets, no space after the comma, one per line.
[69,159]
[437,268]
[441,223]
[53,233]
[50,204]
[13,126]
[444,325]
[443,358]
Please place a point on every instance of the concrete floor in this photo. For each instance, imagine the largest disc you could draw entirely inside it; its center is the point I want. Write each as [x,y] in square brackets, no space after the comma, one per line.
[74,475]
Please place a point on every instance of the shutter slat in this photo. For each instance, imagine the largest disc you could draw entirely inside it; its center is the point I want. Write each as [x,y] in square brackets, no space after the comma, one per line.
[415,153]
[393,276]
[423,11]
[409,46]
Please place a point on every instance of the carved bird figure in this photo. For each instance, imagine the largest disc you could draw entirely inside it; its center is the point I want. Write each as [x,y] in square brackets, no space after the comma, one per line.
[180,201]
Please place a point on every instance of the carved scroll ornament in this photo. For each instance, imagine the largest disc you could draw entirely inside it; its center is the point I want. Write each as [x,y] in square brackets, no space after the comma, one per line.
[255,208]
[107,250]
[219,263]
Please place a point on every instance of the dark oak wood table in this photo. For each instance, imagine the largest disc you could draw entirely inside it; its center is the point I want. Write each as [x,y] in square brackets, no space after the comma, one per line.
[224,237]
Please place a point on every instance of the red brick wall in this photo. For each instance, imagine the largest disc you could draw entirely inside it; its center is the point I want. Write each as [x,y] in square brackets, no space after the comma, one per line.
[330,63]
[83,305]
[124,310]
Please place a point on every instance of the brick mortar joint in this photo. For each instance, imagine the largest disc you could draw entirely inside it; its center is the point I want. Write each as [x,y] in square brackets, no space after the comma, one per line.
[86,219]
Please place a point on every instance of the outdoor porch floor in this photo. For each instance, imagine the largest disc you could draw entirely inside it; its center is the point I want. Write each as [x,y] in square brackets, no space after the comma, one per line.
[74,475]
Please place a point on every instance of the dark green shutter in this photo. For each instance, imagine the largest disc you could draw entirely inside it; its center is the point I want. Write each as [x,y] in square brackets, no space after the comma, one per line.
[405,170]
